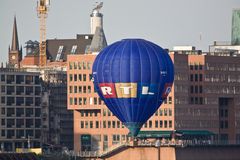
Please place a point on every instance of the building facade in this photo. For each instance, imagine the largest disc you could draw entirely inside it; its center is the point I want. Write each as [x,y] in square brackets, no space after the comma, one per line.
[204,97]
[59,130]
[20,109]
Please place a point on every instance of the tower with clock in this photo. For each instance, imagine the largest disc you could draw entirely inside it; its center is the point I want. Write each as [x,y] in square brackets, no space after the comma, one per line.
[14,53]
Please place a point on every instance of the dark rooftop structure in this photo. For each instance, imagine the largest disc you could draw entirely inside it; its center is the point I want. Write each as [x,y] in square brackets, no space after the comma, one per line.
[58,49]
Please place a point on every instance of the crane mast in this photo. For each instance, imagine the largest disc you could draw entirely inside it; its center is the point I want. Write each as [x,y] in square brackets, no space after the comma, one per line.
[42,10]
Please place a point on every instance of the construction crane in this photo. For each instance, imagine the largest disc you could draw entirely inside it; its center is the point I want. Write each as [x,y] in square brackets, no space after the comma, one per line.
[42,10]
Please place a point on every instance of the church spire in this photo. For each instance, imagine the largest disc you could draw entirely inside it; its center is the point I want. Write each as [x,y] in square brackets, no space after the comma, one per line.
[15,45]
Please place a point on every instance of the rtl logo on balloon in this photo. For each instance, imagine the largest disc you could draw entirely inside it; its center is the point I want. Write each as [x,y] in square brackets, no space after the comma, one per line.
[131,90]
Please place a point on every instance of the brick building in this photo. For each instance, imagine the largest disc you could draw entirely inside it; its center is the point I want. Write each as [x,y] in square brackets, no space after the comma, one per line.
[204,97]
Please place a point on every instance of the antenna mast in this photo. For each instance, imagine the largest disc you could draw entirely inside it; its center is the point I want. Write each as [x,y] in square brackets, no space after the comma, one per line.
[42,10]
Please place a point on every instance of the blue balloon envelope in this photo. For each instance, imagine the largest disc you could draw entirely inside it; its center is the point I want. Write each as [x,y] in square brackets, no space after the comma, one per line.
[133,77]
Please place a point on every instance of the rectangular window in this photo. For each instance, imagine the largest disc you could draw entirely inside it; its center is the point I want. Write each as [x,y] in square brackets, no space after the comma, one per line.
[113,124]
[74,48]
[170,124]
[71,77]
[84,77]
[79,65]
[75,77]
[70,65]
[99,101]
[104,124]
[226,113]
[84,89]
[109,112]
[156,124]
[90,77]
[200,77]
[150,124]
[86,124]
[79,77]
[95,100]
[3,78]
[97,124]
[75,101]
[170,112]
[161,124]
[59,53]
[191,89]
[196,77]
[89,65]
[82,124]
[84,65]
[84,101]
[105,138]
[104,112]
[191,100]
[200,67]
[191,77]
[196,67]
[109,124]
[200,100]
[196,100]
[191,67]
[71,101]
[169,100]
[165,124]
[196,89]
[75,89]
[79,89]
[75,65]
[89,89]
[160,112]
[165,112]
[200,89]
[3,100]
[80,101]
[91,124]
[118,124]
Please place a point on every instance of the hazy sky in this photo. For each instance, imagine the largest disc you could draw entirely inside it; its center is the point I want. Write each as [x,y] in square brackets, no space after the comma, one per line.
[165,22]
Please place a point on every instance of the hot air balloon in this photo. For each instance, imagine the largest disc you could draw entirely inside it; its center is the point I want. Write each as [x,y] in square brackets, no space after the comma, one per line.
[133,77]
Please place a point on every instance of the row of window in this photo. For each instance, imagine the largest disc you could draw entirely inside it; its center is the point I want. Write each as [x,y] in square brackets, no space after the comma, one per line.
[158,124]
[196,89]
[20,101]
[80,65]
[83,101]
[79,89]
[196,67]
[80,77]
[118,124]
[196,100]
[224,124]
[20,133]
[21,123]
[97,124]
[168,100]
[21,112]
[164,112]
[196,77]
[20,79]
[20,90]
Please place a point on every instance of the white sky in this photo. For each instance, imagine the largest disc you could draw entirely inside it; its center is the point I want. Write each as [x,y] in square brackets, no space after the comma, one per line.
[165,22]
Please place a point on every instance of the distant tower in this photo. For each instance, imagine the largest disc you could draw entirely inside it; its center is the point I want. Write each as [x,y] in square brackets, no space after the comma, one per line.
[236,27]
[14,53]
[96,18]
[99,40]
[42,10]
